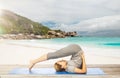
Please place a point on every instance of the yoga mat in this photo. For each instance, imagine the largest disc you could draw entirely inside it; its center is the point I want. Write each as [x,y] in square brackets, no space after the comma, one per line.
[51,71]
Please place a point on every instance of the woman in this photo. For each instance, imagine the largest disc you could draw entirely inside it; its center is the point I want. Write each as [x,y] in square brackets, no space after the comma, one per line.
[75,65]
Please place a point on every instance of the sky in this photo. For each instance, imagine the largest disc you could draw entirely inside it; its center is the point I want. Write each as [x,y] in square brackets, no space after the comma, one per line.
[88,17]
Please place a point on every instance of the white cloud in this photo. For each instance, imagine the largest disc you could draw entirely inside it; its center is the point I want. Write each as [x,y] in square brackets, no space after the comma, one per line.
[62,11]
[94,26]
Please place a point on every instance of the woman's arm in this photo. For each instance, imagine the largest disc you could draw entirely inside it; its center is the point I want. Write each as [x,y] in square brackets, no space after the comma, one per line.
[84,68]
[40,59]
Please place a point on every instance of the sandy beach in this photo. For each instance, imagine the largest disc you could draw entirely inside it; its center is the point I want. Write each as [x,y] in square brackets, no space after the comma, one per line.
[21,54]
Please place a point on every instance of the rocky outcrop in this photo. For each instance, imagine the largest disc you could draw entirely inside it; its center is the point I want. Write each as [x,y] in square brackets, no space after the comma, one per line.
[54,34]
[20,36]
[50,34]
[71,34]
[61,34]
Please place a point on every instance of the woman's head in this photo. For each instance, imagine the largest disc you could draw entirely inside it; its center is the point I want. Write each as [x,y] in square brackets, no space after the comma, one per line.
[60,65]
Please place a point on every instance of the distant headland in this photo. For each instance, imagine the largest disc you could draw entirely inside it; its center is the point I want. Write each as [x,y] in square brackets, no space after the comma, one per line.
[14,26]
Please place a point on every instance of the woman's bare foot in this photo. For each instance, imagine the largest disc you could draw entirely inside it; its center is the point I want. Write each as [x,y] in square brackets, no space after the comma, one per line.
[31,65]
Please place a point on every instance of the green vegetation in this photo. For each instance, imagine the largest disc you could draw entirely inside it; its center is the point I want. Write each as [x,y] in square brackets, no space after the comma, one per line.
[57,30]
[11,23]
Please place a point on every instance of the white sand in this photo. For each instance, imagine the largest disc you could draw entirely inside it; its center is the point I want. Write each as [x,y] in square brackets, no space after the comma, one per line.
[21,54]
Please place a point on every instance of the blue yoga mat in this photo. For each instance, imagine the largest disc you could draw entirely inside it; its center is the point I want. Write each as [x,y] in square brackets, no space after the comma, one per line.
[51,71]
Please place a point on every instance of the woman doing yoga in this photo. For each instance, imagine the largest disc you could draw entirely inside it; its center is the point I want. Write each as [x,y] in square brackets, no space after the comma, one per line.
[75,65]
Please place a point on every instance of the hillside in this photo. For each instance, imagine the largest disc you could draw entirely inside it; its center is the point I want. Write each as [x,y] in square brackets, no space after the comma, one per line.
[12,23]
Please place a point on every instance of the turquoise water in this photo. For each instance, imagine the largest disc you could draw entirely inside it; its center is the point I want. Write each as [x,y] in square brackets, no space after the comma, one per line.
[99,41]
[89,41]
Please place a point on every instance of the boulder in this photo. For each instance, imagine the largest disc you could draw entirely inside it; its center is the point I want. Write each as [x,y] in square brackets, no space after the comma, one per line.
[51,32]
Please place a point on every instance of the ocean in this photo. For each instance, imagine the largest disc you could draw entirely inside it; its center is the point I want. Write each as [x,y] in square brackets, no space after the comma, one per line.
[109,42]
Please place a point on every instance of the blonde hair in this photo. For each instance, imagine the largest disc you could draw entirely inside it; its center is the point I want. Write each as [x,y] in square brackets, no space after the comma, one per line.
[58,67]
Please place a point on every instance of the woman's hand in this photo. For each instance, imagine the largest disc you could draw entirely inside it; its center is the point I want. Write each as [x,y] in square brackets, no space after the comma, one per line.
[31,65]
[82,55]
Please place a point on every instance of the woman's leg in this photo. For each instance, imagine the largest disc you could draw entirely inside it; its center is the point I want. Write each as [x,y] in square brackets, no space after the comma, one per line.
[66,51]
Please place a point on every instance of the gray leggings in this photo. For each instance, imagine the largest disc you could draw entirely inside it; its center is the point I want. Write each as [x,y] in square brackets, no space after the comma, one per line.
[72,49]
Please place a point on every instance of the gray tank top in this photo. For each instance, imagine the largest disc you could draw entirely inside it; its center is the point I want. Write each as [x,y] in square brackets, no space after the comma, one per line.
[74,50]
